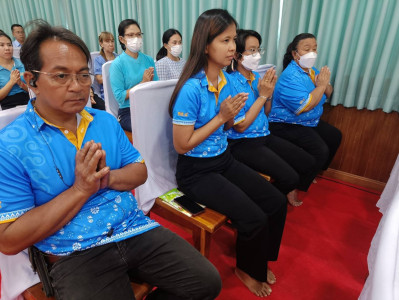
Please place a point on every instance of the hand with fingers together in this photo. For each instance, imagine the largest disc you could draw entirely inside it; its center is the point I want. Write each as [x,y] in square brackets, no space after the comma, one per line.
[90,170]
[148,74]
[232,105]
[267,83]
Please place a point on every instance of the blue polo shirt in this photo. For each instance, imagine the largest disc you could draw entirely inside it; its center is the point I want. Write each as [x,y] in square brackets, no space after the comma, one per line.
[292,95]
[126,72]
[30,153]
[197,105]
[98,65]
[5,77]
[260,126]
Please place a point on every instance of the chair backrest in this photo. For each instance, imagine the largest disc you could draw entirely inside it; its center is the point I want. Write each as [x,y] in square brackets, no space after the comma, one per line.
[9,115]
[152,137]
[111,105]
[96,86]
[263,68]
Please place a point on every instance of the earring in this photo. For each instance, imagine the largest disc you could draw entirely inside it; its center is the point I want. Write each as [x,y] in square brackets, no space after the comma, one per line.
[232,64]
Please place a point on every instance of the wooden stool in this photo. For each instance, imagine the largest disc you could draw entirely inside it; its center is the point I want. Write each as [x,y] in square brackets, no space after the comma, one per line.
[201,227]
[36,292]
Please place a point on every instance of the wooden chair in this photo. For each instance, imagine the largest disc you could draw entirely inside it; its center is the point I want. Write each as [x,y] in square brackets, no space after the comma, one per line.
[36,292]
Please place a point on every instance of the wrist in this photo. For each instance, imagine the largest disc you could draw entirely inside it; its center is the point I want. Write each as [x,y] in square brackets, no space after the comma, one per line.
[267,99]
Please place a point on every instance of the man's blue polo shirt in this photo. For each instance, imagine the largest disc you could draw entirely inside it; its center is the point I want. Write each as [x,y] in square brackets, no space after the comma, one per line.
[292,95]
[196,105]
[260,126]
[30,153]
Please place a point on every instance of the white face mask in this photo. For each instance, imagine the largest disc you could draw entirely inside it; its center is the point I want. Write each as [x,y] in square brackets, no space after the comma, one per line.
[134,44]
[176,50]
[251,62]
[307,60]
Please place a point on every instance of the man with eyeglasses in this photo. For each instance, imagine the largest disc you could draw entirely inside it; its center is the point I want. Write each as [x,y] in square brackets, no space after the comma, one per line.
[67,172]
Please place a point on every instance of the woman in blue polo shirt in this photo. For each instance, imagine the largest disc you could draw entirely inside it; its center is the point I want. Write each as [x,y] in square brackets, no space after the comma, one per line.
[250,139]
[201,106]
[13,91]
[130,68]
[298,101]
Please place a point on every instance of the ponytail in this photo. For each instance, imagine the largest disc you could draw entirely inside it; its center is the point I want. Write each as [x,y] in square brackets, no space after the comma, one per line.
[162,53]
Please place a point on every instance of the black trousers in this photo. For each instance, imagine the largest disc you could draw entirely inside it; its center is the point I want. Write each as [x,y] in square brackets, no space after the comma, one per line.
[158,257]
[288,164]
[321,142]
[14,100]
[256,208]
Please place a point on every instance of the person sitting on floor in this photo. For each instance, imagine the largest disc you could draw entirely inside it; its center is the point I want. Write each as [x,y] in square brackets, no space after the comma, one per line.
[66,176]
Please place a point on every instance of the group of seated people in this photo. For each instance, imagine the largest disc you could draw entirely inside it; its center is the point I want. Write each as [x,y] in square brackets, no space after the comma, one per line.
[68,192]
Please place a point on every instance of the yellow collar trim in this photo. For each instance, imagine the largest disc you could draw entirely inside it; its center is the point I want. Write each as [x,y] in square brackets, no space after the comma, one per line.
[221,83]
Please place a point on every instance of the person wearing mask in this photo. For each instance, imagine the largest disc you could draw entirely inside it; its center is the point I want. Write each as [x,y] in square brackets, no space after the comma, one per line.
[169,64]
[250,139]
[66,179]
[13,91]
[297,106]
[107,44]
[130,68]
[202,105]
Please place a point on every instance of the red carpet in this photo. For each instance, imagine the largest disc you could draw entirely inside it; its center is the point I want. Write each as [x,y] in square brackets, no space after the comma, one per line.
[324,249]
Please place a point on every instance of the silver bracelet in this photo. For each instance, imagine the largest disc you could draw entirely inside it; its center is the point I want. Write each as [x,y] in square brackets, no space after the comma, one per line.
[267,98]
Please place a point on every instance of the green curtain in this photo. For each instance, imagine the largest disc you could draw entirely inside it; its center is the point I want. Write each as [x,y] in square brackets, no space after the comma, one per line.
[357,39]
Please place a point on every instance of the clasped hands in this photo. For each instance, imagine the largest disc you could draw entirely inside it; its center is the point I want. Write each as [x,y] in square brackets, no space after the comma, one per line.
[91,171]
[231,106]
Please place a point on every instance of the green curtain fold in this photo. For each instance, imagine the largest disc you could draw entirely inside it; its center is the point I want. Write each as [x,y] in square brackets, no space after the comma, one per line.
[357,39]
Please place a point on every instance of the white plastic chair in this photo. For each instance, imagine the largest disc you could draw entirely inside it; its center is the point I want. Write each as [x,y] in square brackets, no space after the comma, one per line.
[263,68]
[9,115]
[111,105]
[152,137]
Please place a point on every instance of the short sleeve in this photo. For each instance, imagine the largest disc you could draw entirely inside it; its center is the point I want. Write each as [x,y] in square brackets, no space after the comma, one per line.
[185,111]
[98,64]
[16,195]
[294,93]
[129,154]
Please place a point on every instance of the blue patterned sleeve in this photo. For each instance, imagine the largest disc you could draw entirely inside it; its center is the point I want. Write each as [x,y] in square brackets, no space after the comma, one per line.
[16,196]
[185,111]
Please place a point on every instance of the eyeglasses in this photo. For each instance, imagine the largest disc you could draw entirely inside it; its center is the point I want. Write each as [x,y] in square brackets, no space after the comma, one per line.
[66,78]
[254,51]
[133,35]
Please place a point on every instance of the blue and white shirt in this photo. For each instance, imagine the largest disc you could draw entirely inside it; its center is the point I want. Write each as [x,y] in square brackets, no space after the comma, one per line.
[196,104]
[292,95]
[30,153]
[169,69]
[260,126]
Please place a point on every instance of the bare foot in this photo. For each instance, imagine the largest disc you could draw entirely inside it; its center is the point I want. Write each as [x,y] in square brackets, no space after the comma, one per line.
[271,278]
[260,289]
[293,198]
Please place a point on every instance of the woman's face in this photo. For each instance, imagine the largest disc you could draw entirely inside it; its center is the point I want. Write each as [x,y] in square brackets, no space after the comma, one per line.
[131,31]
[221,50]
[305,46]
[173,41]
[251,47]
[108,45]
[5,48]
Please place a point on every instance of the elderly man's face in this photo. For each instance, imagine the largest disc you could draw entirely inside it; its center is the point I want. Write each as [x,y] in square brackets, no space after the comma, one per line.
[56,97]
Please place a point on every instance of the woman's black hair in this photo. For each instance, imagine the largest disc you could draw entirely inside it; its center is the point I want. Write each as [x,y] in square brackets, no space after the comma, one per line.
[2,33]
[30,51]
[242,35]
[293,46]
[165,39]
[209,25]
[122,28]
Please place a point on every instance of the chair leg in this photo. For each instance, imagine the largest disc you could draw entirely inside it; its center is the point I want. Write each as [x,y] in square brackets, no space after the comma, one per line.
[202,240]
